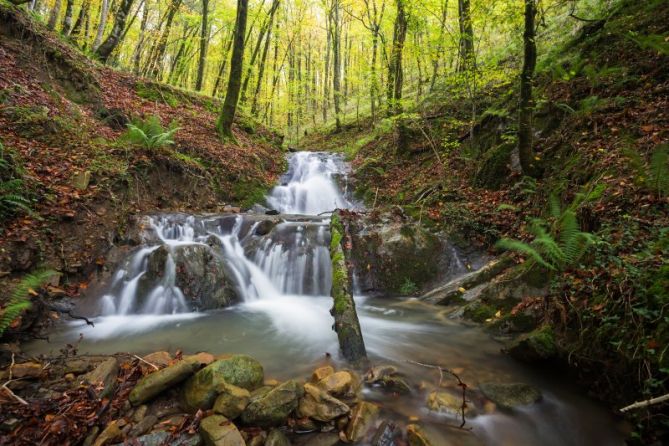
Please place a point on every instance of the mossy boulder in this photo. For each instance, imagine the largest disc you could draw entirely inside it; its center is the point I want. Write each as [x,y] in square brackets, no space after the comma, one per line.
[536,346]
[155,383]
[273,408]
[510,395]
[201,389]
[494,168]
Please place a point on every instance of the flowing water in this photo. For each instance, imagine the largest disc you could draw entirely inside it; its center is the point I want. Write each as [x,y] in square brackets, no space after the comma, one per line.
[283,279]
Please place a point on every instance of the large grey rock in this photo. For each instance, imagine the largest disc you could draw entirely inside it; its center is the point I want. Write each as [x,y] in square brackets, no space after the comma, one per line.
[509,396]
[155,383]
[201,390]
[273,408]
[217,430]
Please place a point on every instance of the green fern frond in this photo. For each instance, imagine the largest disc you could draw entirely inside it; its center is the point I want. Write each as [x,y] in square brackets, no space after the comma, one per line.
[12,312]
[554,206]
[659,170]
[523,248]
[19,298]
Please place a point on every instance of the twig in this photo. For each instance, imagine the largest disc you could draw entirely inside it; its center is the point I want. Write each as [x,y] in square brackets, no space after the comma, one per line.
[461,384]
[650,402]
[147,362]
[69,313]
[4,386]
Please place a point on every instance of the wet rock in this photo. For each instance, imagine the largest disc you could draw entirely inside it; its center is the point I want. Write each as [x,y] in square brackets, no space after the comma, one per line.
[140,413]
[379,372]
[320,439]
[321,373]
[103,377]
[231,401]
[242,371]
[510,396]
[264,227]
[449,403]
[217,430]
[362,421]
[277,438]
[201,275]
[155,383]
[23,370]
[159,359]
[91,436]
[143,426]
[162,438]
[385,435]
[395,384]
[536,346]
[203,358]
[340,384]
[303,425]
[319,405]
[417,436]
[274,408]
[111,433]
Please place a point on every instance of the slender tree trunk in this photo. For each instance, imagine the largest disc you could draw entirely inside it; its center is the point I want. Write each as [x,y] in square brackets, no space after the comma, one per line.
[185,37]
[336,52]
[83,13]
[526,108]
[66,26]
[224,60]
[109,45]
[326,72]
[104,11]
[53,16]
[395,71]
[467,56]
[137,55]
[261,68]
[155,67]
[234,83]
[440,44]
[204,38]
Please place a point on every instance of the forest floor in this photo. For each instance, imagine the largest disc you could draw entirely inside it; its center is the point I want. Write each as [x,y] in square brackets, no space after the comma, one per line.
[601,120]
[62,120]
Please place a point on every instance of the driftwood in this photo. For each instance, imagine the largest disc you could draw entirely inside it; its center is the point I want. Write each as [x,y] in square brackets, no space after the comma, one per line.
[646,403]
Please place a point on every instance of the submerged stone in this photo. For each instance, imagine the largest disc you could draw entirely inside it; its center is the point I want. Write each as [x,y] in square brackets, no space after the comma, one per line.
[449,403]
[277,438]
[510,396]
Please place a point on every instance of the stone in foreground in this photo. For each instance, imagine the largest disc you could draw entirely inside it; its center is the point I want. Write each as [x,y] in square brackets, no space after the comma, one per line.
[273,408]
[155,383]
[217,430]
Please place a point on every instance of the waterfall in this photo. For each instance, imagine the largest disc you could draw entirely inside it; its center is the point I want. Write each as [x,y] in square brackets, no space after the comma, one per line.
[289,257]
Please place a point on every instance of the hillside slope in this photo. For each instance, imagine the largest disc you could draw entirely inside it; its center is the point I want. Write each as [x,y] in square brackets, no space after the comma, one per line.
[69,179]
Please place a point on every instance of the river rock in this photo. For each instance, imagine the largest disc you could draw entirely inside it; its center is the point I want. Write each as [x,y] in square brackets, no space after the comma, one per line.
[202,389]
[377,373]
[342,383]
[449,403]
[143,426]
[201,275]
[155,383]
[395,384]
[536,346]
[111,433]
[363,418]
[159,359]
[319,405]
[277,438]
[385,435]
[231,401]
[321,373]
[417,436]
[510,396]
[217,430]
[319,439]
[273,408]
[103,377]
[23,370]
[163,438]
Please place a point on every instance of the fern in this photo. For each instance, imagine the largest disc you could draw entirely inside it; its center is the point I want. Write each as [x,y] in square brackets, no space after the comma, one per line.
[659,170]
[12,187]
[19,300]
[150,133]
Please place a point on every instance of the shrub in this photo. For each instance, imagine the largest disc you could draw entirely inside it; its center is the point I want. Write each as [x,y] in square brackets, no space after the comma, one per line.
[150,133]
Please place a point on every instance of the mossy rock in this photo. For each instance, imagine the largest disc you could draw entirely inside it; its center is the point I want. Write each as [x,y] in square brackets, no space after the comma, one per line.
[494,167]
[536,346]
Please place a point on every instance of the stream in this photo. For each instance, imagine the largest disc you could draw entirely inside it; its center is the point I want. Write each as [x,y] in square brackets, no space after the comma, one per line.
[282,279]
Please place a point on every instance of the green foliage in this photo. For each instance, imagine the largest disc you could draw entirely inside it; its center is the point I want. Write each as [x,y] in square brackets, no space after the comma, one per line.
[155,93]
[150,133]
[652,42]
[653,175]
[408,287]
[13,197]
[555,247]
[19,299]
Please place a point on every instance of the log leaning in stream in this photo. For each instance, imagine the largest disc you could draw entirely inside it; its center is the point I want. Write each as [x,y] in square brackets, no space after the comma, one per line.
[346,322]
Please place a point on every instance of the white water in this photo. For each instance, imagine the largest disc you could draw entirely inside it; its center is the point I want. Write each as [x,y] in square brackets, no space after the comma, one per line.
[283,280]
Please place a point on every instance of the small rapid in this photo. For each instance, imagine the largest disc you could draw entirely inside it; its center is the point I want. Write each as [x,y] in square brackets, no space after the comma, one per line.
[277,275]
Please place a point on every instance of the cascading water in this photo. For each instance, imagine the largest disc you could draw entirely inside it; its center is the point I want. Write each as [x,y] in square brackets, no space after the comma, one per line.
[279,267]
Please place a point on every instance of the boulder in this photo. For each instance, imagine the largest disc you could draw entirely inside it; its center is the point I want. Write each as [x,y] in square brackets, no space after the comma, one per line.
[103,377]
[319,405]
[201,275]
[201,390]
[155,383]
[322,372]
[231,401]
[342,383]
[512,395]
[273,408]
[449,403]
[143,426]
[277,438]
[216,430]
[379,372]
[111,433]
[536,346]
[417,437]
[362,421]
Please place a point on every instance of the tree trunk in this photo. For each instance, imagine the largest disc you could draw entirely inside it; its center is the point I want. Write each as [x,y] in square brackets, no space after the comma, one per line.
[336,53]
[66,26]
[526,102]
[137,55]
[155,67]
[104,11]
[261,69]
[395,71]
[234,82]
[83,13]
[53,16]
[221,69]
[467,57]
[109,45]
[204,38]
[440,44]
